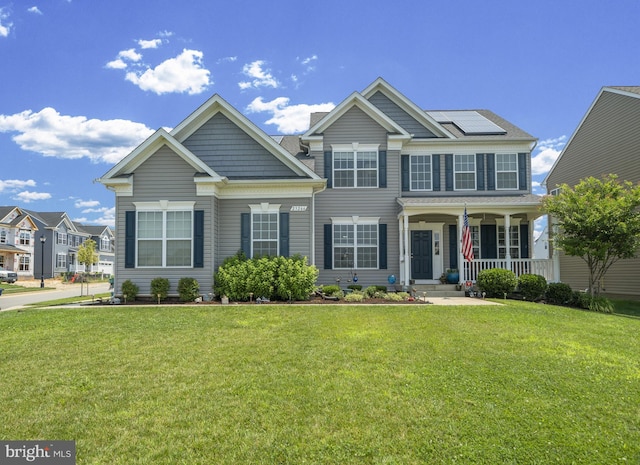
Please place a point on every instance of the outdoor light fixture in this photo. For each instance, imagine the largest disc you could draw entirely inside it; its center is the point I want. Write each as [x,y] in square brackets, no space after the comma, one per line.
[42,241]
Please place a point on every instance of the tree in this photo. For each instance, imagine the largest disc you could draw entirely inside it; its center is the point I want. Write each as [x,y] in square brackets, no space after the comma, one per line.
[87,256]
[598,221]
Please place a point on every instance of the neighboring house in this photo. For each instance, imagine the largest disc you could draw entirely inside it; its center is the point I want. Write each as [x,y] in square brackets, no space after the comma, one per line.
[607,141]
[541,244]
[17,240]
[105,247]
[375,189]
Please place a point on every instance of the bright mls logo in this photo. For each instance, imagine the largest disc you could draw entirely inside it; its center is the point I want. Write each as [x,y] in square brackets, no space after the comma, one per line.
[38,452]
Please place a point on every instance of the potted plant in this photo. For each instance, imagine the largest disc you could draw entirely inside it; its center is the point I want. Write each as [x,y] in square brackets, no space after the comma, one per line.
[453,276]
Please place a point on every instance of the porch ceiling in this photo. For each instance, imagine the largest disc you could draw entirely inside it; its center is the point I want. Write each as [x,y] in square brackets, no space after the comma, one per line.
[500,205]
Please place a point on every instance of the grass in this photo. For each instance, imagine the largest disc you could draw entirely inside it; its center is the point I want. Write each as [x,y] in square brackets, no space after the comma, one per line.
[410,384]
[17,289]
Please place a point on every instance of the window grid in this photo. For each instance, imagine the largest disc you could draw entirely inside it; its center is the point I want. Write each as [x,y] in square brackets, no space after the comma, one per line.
[464,172]
[264,234]
[355,169]
[506,171]
[25,238]
[355,246]
[24,263]
[165,238]
[514,236]
[421,173]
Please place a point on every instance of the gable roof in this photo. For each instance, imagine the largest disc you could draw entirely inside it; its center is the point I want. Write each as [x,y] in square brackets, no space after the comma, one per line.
[52,220]
[21,215]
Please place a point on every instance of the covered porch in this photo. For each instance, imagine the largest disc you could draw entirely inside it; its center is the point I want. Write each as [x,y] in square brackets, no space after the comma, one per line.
[430,233]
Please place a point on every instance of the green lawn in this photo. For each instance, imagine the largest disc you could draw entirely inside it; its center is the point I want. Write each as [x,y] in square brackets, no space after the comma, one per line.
[307,384]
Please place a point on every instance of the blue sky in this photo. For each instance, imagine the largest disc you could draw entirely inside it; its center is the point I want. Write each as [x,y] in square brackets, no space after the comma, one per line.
[84,82]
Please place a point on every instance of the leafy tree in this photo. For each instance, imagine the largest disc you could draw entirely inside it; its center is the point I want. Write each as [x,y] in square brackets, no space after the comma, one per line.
[598,221]
[87,256]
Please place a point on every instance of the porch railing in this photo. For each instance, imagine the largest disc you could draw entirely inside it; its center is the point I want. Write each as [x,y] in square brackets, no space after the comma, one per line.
[519,266]
[77,268]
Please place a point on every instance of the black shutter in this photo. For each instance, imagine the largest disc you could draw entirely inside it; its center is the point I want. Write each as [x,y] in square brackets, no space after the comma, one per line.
[130,239]
[245,233]
[453,246]
[328,168]
[404,172]
[435,161]
[524,241]
[198,239]
[382,245]
[448,171]
[491,173]
[382,168]
[328,247]
[480,171]
[488,241]
[522,171]
[284,234]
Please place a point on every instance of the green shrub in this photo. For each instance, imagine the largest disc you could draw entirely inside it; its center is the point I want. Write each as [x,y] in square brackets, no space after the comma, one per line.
[354,297]
[330,289]
[188,289]
[355,287]
[393,296]
[159,288]
[595,304]
[130,290]
[532,286]
[295,279]
[559,294]
[497,282]
[375,291]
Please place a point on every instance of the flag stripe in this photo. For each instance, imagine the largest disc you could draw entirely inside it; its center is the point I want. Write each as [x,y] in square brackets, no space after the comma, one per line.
[467,243]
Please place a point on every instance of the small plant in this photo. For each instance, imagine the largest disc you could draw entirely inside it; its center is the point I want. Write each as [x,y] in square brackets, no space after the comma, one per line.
[330,289]
[595,304]
[532,286]
[129,290]
[559,294]
[188,289]
[354,297]
[394,297]
[497,282]
[355,287]
[375,291]
[160,288]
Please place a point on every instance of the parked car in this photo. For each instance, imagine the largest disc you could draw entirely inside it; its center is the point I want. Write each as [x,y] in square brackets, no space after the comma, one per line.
[8,276]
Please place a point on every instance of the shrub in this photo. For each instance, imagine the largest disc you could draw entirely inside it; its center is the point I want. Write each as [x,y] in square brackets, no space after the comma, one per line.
[532,286]
[354,297]
[395,297]
[130,290]
[159,288]
[295,279]
[375,291]
[595,304]
[559,294]
[188,289]
[330,289]
[497,282]
[355,287]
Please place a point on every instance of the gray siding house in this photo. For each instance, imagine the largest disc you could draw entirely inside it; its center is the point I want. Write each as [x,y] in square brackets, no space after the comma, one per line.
[607,141]
[375,192]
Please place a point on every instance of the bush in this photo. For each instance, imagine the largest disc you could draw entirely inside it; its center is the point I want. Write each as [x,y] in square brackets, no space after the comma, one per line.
[559,294]
[532,286]
[159,288]
[355,287]
[330,289]
[595,304]
[188,289]
[497,282]
[354,297]
[130,290]
[375,291]
[393,296]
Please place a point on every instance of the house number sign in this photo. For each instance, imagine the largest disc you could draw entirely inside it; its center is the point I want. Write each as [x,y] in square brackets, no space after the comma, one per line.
[298,208]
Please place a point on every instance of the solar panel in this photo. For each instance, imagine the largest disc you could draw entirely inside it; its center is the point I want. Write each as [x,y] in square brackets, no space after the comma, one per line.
[470,122]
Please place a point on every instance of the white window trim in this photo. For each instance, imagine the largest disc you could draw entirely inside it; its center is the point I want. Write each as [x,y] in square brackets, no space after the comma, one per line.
[354,148]
[475,171]
[356,221]
[266,208]
[507,171]
[165,206]
[411,189]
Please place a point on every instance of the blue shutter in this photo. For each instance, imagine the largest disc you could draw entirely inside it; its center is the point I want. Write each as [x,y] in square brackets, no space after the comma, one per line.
[328,168]
[491,173]
[382,168]
[198,239]
[522,171]
[382,246]
[245,233]
[453,246]
[404,172]
[284,234]
[448,171]
[328,247]
[130,239]
[524,241]
[435,163]
[480,171]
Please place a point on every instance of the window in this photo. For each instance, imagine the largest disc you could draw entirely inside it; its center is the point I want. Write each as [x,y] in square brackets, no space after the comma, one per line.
[24,263]
[61,260]
[3,237]
[62,238]
[164,236]
[464,172]
[421,173]
[506,171]
[355,166]
[514,238]
[265,230]
[25,238]
[355,245]
[105,244]
[475,240]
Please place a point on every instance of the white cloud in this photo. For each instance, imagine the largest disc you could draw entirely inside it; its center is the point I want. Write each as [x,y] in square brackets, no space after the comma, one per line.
[548,151]
[86,203]
[260,77]
[288,118]
[308,60]
[70,137]
[116,64]
[5,25]
[34,9]
[183,73]
[15,184]
[108,218]
[153,43]
[28,196]
[130,55]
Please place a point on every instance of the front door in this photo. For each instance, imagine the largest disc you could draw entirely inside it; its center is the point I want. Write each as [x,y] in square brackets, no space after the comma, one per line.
[421,255]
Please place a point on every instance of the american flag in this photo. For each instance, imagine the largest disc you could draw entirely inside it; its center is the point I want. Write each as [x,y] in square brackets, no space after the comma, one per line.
[467,243]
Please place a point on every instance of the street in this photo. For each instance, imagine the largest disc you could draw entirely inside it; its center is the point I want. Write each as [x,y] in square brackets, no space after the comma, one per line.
[14,301]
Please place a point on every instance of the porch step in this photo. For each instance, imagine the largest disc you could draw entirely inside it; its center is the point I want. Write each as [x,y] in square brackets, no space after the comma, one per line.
[438,290]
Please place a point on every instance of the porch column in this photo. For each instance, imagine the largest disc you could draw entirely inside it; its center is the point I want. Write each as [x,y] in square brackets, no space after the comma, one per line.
[461,261]
[401,254]
[555,254]
[407,260]
[507,239]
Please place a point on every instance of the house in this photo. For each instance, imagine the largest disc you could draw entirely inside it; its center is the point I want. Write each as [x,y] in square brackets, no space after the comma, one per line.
[375,192]
[105,247]
[541,244]
[607,141]
[17,240]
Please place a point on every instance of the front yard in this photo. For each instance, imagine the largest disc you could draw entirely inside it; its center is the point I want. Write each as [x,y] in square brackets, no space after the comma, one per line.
[519,383]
